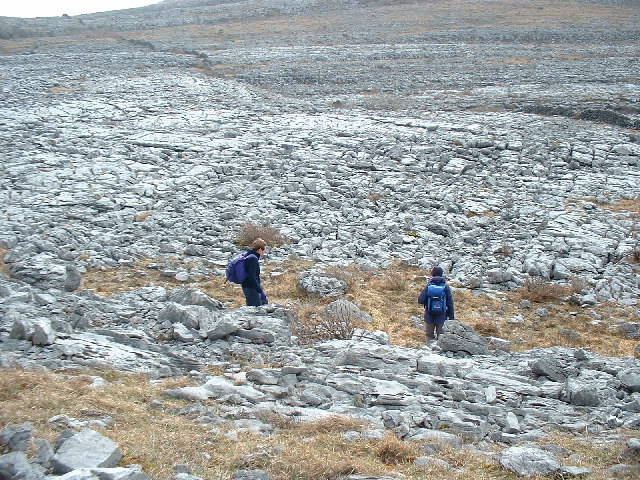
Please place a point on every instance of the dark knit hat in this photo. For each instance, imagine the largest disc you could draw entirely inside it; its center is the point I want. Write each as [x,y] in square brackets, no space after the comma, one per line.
[437,271]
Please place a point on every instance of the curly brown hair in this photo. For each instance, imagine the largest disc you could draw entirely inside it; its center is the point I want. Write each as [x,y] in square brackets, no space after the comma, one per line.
[258,244]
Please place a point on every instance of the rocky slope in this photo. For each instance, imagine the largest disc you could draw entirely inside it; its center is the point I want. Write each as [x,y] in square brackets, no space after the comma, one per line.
[364,134]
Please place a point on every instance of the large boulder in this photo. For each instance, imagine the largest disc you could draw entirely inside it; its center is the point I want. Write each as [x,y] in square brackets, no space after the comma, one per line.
[220,388]
[16,466]
[580,393]
[462,338]
[630,378]
[43,332]
[16,438]
[344,310]
[22,328]
[191,316]
[85,449]
[630,329]
[187,296]
[549,367]
[529,461]
[319,284]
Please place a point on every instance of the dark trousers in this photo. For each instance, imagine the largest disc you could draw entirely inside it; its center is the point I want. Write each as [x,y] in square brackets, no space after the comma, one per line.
[431,328]
[252,296]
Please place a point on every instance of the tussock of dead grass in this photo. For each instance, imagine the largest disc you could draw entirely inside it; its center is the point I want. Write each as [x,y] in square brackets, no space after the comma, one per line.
[332,424]
[393,451]
[4,269]
[625,205]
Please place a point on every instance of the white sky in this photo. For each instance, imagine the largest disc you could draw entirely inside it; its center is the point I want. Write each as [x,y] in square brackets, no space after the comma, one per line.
[55,8]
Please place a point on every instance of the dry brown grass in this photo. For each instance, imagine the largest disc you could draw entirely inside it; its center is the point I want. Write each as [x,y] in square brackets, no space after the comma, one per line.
[595,454]
[157,439]
[109,281]
[331,424]
[140,431]
[537,289]
[627,205]
[393,22]
[4,269]
[393,451]
[631,206]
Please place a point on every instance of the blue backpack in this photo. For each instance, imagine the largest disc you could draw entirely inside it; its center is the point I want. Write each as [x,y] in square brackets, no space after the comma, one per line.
[236,271]
[436,299]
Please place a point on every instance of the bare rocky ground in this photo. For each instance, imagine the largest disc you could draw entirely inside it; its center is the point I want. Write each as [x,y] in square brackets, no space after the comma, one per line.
[498,140]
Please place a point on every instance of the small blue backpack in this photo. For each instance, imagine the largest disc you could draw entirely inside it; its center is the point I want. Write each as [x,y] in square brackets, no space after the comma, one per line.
[236,270]
[436,300]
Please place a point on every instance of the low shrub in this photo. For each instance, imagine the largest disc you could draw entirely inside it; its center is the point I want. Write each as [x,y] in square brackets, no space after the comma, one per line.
[319,328]
[250,231]
[537,289]
[315,322]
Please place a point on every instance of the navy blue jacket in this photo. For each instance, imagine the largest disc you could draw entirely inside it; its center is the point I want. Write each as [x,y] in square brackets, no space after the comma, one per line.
[252,266]
[437,318]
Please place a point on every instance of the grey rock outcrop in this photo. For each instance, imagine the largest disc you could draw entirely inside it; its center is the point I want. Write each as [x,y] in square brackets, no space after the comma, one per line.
[15,465]
[344,310]
[529,461]
[320,284]
[83,455]
[250,475]
[16,438]
[461,338]
[83,450]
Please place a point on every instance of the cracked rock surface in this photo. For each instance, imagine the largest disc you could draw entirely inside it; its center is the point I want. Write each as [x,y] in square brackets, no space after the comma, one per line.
[500,152]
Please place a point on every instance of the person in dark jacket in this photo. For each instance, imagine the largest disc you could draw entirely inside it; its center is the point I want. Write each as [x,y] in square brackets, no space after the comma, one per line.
[251,288]
[434,321]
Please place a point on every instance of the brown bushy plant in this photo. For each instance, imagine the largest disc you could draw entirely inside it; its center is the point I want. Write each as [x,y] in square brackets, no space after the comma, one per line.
[537,289]
[250,231]
[321,327]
